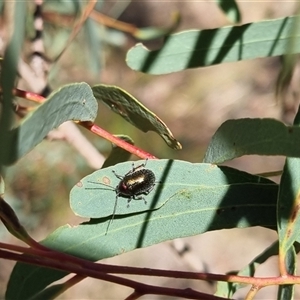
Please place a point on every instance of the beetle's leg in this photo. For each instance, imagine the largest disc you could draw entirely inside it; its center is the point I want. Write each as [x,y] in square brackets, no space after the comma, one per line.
[141,197]
[128,201]
[145,163]
[133,169]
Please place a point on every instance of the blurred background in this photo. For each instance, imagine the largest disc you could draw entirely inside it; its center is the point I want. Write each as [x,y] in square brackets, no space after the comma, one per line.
[193,104]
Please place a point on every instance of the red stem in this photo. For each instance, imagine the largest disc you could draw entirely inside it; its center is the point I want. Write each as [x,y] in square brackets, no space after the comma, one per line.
[92,127]
[83,271]
[29,96]
[68,260]
[119,142]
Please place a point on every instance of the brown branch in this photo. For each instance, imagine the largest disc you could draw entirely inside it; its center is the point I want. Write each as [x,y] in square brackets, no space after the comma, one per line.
[140,287]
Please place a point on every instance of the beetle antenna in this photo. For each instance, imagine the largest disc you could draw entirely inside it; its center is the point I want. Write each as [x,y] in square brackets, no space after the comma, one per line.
[95,182]
[113,214]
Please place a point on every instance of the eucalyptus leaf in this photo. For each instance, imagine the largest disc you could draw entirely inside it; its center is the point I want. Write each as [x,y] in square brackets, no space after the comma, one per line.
[94,195]
[189,199]
[9,66]
[150,33]
[235,138]
[227,289]
[200,48]
[230,8]
[118,154]
[134,112]
[72,102]
[288,204]
[286,292]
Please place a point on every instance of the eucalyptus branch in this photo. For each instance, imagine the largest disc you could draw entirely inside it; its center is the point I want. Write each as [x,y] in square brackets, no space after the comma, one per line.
[83,271]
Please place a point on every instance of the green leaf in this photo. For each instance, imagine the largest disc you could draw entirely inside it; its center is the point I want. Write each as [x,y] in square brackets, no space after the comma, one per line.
[228,289]
[118,154]
[91,198]
[63,7]
[11,221]
[231,10]
[289,204]
[200,48]
[134,112]
[9,66]
[235,138]
[27,288]
[286,292]
[72,102]
[211,198]
[50,293]
[94,45]
[150,33]
[288,219]
[289,60]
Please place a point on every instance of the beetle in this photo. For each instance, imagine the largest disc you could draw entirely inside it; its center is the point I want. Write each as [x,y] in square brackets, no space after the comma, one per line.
[134,184]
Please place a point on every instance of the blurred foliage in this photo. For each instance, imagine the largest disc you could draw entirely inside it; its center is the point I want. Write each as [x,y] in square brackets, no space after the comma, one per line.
[191,104]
